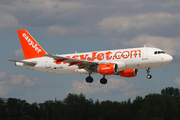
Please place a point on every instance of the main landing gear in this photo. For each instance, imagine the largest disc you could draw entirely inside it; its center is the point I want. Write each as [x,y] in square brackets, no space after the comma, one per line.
[89,79]
[103,80]
[148,71]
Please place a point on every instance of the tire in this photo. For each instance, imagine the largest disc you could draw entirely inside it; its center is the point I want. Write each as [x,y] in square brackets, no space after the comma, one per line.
[103,81]
[89,79]
[149,76]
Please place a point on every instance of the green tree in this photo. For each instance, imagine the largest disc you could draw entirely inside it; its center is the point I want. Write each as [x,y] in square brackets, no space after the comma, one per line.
[172,111]
[157,106]
[136,107]
[42,118]
[26,117]
[174,92]
[58,110]
[2,110]
[76,107]
[46,109]
[34,111]
[15,108]
[156,118]
[154,106]
[163,106]
[114,111]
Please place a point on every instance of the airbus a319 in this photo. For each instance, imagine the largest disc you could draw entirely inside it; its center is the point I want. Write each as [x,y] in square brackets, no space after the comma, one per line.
[122,62]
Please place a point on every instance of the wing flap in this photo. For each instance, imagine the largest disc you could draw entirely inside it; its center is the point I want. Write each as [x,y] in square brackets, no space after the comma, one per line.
[82,64]
[70,60]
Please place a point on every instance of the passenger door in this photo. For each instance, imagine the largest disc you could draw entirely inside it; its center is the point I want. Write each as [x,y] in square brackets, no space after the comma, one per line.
[145,54]
[47,64]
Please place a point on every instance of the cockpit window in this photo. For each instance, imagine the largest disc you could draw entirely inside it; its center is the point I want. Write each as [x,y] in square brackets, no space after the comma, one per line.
[159,52]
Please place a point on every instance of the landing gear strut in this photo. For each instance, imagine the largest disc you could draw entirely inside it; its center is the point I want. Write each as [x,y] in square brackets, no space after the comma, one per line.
[148,71]
[89,79]
[103,80]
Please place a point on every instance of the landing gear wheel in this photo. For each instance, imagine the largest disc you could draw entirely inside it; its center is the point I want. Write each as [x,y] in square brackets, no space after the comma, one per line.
[103,81]
[148,71]
[89,79]
[149,76]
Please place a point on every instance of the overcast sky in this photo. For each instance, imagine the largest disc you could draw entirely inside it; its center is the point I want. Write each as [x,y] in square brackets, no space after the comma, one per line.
[66,26]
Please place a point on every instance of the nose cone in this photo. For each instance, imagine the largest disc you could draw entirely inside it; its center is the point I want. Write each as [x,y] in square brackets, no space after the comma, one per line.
[168,59]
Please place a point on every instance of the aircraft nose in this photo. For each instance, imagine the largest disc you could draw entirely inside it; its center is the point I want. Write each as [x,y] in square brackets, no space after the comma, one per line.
[169,58]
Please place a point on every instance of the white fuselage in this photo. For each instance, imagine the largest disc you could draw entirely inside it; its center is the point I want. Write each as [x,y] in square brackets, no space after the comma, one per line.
[134,58]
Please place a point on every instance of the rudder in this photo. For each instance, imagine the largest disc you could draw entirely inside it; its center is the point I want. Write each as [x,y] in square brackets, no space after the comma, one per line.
[30,46]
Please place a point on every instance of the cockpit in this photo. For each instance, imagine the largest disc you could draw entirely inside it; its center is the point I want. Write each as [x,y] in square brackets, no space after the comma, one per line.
[159,52]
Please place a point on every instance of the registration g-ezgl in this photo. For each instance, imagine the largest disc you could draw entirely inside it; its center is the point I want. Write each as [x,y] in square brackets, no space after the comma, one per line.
[123,62]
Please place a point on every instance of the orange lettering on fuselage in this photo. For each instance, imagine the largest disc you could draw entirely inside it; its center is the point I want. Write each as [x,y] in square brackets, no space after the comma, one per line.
[135,53]
[83,57]
[115,55]
[125,56]
[100,56]
[108,55]
[93,56]
[75,56]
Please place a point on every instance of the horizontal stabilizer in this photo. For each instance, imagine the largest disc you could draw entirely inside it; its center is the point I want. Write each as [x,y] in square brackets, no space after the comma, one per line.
[25,62]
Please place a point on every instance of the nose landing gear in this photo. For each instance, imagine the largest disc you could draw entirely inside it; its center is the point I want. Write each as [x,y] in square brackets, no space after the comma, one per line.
[148,71]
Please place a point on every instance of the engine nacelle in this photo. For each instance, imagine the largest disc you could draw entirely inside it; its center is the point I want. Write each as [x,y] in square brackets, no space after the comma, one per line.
[129,73]
[108,69]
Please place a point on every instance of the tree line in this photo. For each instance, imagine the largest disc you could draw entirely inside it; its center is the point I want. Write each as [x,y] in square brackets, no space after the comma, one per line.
[164,106]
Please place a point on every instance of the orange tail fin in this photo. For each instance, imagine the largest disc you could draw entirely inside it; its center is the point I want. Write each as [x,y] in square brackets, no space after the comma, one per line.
[30,46]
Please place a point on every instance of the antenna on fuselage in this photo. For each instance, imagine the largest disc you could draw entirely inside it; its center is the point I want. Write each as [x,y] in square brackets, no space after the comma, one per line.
[145,46]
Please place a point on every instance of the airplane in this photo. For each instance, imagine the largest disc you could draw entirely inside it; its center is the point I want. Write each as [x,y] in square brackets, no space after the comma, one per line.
[122,62]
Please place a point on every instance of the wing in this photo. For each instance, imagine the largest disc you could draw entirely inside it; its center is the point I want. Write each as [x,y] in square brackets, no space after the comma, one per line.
[25,62]
[83,64]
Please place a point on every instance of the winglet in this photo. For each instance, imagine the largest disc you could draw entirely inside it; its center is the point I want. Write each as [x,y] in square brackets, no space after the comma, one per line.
[30,46]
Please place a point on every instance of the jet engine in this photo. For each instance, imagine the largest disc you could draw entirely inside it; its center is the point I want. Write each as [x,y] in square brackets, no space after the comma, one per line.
[108,69]
[129,73]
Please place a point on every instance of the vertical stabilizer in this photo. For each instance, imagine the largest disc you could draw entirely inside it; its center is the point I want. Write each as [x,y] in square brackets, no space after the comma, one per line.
[30,46]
